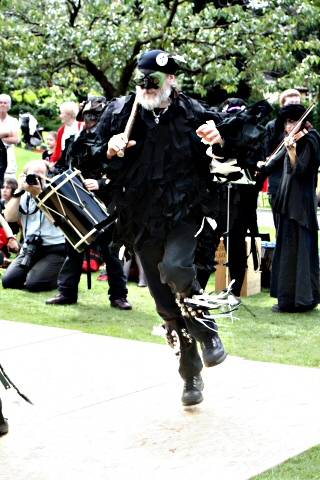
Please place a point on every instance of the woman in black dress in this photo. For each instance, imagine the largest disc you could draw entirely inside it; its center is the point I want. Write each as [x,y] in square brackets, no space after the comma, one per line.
[295,267]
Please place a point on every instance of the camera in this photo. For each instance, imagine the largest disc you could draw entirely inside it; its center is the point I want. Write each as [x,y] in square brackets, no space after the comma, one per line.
[33,242]
[32,179]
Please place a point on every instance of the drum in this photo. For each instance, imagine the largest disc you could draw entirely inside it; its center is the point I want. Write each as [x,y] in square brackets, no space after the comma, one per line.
[78,212]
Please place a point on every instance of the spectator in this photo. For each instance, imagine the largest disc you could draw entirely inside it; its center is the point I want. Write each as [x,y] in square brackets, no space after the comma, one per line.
[37,266]
[8,188]
[51,145]
[8,242]
[68,114]
[9,134]
[274,136]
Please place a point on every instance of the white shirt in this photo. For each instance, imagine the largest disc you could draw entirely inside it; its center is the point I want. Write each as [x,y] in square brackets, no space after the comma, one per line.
[68,131]
[10,124]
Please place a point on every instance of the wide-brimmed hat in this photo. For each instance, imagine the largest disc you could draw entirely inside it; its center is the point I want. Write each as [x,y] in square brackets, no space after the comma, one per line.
[94,105]
[293,112]
[233,105]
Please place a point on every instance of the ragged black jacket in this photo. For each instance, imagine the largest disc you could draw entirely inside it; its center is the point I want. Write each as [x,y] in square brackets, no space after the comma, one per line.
[165,177]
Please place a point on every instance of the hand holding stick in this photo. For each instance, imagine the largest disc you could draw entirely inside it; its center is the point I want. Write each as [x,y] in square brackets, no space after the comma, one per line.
[118,143]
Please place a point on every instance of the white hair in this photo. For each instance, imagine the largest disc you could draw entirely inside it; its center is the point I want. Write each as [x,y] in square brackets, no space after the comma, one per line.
[70,107]
[36,166]
[6,98]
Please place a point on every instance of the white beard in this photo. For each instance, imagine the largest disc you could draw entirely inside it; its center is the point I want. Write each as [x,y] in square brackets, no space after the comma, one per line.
[156,101]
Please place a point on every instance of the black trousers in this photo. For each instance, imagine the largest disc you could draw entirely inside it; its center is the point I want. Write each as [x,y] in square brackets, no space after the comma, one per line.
[69,276]
[41,275]
[169,269]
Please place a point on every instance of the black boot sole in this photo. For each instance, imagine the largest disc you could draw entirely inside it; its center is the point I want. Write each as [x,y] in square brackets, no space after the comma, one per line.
[217,361]
[190,402]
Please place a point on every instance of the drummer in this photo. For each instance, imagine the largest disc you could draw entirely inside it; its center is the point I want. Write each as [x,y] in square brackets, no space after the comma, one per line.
[42,254]
[78,154]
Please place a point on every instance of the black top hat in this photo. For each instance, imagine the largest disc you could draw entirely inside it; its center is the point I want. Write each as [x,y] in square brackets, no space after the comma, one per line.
[292,111]
[233,105]
[158,61]
[94,105]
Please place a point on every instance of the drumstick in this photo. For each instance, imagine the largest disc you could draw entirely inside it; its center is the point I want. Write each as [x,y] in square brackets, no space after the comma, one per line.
[130,122]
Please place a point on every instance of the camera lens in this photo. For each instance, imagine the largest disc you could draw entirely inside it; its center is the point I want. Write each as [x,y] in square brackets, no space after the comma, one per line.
[32,179]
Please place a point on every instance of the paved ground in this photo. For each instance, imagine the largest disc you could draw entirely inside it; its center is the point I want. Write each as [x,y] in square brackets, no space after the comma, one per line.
[107,408]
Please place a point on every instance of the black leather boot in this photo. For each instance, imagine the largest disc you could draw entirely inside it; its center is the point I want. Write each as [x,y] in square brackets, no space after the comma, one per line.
[205,330]
[190,364]
[213,351]
[192,389]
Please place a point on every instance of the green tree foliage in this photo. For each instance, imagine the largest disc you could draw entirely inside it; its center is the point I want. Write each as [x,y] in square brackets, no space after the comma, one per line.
[92,45]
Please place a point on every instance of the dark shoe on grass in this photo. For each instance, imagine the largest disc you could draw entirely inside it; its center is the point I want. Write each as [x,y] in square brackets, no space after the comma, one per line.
[61,300]
[192,389]
[275,308]
[121,303]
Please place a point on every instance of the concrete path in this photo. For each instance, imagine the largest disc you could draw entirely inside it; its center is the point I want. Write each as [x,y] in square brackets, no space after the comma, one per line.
[107,408]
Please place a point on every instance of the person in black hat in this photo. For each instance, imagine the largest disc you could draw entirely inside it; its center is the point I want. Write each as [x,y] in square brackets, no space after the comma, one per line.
[274,136]
[295,266]
[77,154]
[159,190]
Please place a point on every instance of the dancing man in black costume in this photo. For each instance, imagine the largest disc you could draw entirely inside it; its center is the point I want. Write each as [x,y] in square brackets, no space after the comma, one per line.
[160,194]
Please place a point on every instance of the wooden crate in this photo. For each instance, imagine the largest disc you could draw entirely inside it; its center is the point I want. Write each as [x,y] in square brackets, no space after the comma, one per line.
[252,280]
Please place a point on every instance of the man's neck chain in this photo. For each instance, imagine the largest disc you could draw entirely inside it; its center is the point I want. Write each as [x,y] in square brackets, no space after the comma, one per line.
[161,112]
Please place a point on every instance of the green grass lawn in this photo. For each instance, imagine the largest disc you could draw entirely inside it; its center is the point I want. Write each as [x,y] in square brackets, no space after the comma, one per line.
[24,156]
[303,467]
[284,338]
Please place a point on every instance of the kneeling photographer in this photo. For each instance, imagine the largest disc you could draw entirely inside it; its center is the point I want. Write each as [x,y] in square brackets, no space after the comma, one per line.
[42,254]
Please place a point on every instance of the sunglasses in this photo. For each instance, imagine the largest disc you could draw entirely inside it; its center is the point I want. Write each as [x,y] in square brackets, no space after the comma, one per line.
[149,79]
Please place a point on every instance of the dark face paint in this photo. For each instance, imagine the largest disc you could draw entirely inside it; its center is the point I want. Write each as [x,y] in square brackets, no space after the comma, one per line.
[148,79]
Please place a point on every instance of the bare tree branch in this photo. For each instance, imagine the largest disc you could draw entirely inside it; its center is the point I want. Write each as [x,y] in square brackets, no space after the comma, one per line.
[99,76]
[73,8]
[173,11]
[131,63]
